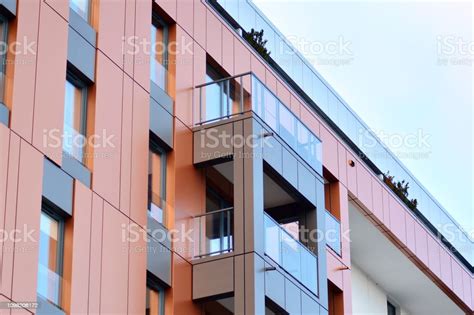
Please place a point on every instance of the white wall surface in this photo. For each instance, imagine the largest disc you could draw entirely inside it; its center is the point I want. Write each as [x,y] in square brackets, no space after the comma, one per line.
[367,297]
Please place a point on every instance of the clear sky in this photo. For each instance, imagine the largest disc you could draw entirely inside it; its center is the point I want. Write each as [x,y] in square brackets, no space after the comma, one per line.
[405,67]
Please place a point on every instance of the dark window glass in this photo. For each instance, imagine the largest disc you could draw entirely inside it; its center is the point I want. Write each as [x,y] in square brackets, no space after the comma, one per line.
[391,309]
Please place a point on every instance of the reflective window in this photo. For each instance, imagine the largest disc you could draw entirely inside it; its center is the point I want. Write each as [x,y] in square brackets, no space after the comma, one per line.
[159,53]
[3,55]
[50,258]
[155,301]
[81,7]
[75,112]
[157,183]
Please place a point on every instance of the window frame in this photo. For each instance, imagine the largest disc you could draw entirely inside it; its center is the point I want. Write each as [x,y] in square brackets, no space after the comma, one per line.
[3,56]
[79,84]
[155,286]
[88,13]
[157,22]
[51,213]
[155,148]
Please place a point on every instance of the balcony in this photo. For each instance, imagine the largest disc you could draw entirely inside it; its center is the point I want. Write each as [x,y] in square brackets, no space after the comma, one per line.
[284,58]
[213,233]
[333,233]
[290,254]
[233,96]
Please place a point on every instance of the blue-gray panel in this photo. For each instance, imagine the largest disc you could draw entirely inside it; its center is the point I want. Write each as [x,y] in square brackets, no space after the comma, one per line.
[307,183]
[161,97]
[308,305]
[46,308]
[275,286]
[8,8]
[159,260]
[272,153]
[81,55]
[4,114]
[57,186]
[290,168]
[161,123]
[158,231]
[74,168]
[292,298]
[82,27]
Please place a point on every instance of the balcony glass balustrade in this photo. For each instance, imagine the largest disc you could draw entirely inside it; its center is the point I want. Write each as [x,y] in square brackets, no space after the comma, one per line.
[290,254]
[232,96]
[303,74]
[333,233]
[213,233]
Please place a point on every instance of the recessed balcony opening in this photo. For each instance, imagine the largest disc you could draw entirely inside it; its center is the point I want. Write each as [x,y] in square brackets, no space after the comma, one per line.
[289,223]
[214,227]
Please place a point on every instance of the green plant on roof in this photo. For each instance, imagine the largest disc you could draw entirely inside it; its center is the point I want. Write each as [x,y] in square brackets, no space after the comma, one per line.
[400,188]
[255,39]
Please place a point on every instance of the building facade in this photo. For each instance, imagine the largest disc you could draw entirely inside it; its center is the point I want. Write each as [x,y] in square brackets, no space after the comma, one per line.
[179,157]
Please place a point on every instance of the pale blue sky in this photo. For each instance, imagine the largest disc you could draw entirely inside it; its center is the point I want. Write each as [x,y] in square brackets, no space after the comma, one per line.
[396,79]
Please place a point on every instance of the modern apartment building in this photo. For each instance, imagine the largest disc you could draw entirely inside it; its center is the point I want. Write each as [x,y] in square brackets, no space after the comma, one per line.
[157,157]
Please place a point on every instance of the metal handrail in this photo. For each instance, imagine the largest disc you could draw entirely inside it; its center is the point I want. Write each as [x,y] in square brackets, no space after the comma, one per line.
[213,212]
[223,79]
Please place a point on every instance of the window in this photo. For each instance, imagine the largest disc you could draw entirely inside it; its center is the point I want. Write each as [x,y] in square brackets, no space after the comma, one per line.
[159,53]
[157,183]
[215,103]
[391,309]
[155,300]
[75,116]
[81,7]
[50,257]
[3,55]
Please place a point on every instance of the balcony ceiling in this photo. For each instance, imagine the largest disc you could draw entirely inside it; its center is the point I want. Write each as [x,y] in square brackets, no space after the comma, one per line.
[393,271]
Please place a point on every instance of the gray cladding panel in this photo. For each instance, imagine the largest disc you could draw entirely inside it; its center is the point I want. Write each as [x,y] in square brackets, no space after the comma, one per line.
[81,55]
[307,183]
[212,278]
[57,186]
[159,260]
[208,144]
[161,123]
[275,286]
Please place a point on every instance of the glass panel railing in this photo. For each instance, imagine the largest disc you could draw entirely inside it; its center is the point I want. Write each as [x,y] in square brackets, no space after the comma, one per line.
[213,233]
[301,72]
[49,284]
[333,233]
[159,74]
[228,97]
[290,254]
